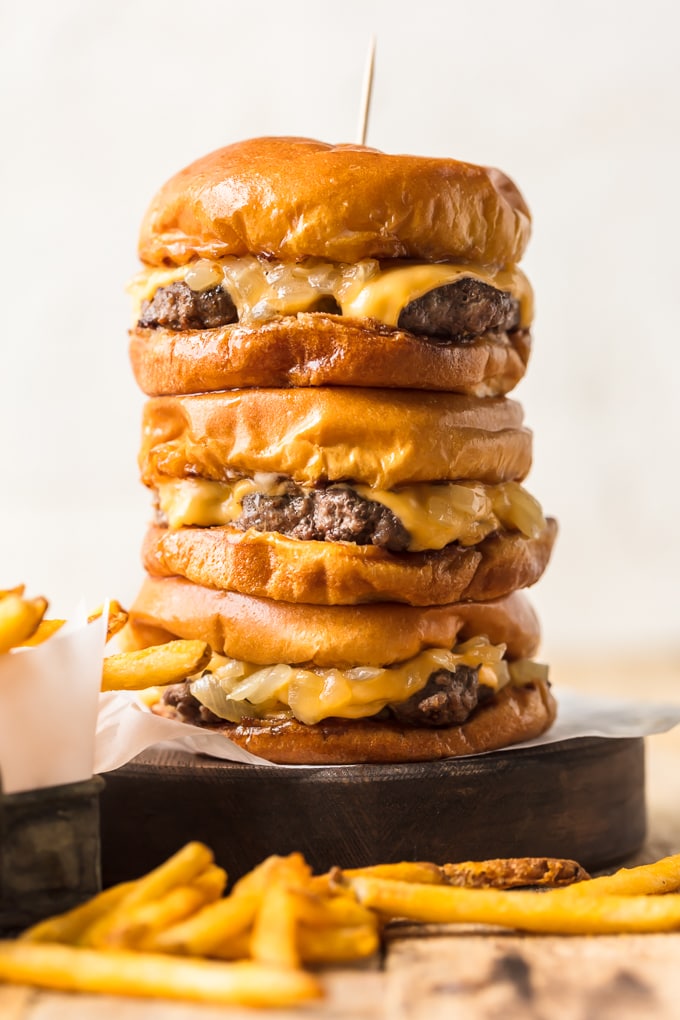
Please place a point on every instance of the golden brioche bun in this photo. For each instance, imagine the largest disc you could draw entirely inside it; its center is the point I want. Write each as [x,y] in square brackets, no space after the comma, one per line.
[383,438]
[275,566]
[322,350]
[514,715]
[266,632]
[294,197]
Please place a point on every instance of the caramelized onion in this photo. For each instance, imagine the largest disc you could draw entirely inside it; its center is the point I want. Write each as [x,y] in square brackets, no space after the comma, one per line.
[203,275]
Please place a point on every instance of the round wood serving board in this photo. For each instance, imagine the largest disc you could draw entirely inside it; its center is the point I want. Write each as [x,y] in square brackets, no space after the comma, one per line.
[581,799]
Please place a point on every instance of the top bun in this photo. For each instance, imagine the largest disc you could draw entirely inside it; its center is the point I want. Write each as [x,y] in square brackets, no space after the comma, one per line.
[293,198]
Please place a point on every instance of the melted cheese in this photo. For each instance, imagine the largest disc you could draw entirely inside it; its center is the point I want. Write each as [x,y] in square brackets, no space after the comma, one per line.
[385,296]
[238,689]
[263,290]
[433,515]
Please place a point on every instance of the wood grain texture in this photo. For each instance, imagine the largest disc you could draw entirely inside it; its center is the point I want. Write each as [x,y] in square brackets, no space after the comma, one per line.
[485,977]
[580,799]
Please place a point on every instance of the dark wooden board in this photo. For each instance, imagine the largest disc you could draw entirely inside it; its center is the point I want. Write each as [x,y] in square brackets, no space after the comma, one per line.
[582,799]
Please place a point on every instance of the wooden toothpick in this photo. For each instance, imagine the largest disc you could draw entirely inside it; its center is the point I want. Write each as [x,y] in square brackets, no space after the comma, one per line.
[362,129]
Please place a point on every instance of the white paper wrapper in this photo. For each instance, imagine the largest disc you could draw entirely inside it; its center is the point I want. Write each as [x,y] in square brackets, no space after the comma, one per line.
[49,697]
[126,728]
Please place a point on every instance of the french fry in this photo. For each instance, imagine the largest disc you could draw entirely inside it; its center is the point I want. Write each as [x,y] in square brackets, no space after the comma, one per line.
[236,947]
[338,945]
[184,866]
[316,911]
[19,590]
[158,665]
[328,884]
[180,869]
[143,974]
[260,878]
[45,629]
[19,619]
[648,879]
[511,872]
[556,911]
[212,882]
[137,927]
[274,937]
[213,926]
[117,618]
[68,927]
[405,871]
[217,925]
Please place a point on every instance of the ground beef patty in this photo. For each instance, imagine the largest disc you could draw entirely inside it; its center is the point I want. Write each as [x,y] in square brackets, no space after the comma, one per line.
[448,698]
[188,708]
[461,311]
[324,515]
[177,306]
[455,313]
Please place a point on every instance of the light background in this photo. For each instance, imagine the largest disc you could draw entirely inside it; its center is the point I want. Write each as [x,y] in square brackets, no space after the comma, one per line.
[578,102]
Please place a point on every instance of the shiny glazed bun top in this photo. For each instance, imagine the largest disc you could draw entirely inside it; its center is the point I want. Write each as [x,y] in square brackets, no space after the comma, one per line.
[294,198]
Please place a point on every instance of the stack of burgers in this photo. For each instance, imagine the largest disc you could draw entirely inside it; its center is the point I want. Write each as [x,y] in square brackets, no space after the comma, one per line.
[327,335]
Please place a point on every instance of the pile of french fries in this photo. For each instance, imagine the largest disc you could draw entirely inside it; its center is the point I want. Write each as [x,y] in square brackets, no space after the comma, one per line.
[175,934]
[23,625]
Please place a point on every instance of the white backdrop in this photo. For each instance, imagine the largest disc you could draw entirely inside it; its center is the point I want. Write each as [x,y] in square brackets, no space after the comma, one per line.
[578,102]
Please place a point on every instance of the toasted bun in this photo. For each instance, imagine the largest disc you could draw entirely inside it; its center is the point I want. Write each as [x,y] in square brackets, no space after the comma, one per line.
[322,350]
[274,566]
[293,197]
[267,632]
[516,714]
[382,438]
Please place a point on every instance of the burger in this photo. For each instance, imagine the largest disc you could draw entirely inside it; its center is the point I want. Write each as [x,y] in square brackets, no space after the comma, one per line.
[326,335]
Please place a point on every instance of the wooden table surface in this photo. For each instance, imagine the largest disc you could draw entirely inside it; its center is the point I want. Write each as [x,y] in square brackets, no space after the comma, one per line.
[434,972]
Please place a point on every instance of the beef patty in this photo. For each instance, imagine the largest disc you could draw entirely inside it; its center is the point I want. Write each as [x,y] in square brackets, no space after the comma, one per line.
[461,311]
[321,515]
[177,306]
[455,313]
[448,698]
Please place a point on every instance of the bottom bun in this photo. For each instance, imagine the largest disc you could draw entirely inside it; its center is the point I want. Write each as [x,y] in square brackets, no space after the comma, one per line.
[313,349]
[515,714]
